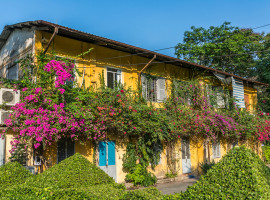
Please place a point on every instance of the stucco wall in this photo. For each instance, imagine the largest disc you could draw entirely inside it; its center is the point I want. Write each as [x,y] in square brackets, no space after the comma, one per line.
[19,43]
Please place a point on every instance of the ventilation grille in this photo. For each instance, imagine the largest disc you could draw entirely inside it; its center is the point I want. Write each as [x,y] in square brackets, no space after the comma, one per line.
[8,97]
[4,116]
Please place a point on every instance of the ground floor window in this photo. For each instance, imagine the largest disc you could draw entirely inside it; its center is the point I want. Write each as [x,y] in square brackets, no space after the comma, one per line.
[65,149]
[216,150]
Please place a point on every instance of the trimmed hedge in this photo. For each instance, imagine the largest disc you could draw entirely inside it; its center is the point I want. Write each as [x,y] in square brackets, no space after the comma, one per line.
[23,192]
[241,174]
[73,172]
[13,173]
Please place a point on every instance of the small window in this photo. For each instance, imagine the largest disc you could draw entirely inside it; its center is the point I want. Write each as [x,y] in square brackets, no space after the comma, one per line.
[219,93]
[113,77]
[153,88]
[216,150]
[12,72]
[65,149]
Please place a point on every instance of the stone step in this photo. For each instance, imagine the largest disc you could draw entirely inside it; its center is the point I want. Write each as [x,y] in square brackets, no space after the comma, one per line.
[181,177]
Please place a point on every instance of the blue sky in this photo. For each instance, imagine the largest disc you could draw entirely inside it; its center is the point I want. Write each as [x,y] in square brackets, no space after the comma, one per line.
[148,24]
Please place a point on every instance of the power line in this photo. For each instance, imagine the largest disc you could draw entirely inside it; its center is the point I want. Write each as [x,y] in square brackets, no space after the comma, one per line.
[135,54]
[153,51]
[171,61]
[261,26]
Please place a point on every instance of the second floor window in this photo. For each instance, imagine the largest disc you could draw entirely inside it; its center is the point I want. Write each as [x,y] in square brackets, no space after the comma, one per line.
[113,77]
[12,72]
[153,88]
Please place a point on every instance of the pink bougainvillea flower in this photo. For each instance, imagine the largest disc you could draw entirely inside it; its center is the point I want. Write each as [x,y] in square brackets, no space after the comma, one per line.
[39,139]
[62,90]
[36,145]
[134,128]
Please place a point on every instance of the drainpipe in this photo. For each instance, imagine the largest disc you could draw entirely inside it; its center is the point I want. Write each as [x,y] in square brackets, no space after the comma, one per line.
[144,68]
[54,34]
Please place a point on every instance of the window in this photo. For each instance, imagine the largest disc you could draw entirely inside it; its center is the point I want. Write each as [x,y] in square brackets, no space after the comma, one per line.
[65,149]
[113,77]
[12,72]
[153,88]
[219,92]
[216,150]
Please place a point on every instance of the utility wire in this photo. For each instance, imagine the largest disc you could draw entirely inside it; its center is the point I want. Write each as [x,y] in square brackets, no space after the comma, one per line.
[261,26]
[135,54]
[171,61]
[108,58]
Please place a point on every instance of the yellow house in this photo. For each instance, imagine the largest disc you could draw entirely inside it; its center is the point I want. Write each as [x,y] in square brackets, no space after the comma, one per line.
[127,64]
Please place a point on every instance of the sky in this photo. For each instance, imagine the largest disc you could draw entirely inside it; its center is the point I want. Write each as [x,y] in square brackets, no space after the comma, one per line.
[147,24]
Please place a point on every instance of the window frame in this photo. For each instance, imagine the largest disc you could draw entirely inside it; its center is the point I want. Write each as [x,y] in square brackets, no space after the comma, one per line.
[215,151]
[57,156]
[153,97]
[117,73]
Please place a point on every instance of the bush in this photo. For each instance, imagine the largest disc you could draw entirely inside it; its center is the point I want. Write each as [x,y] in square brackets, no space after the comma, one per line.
[75,171]
[241,174]
[32,193]
[266,153]
[146,194]
[13,173]
[205,166]
[140,176]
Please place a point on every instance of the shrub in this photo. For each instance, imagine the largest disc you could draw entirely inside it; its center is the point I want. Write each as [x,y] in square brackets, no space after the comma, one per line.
[205,166]
[171,175]
[13,173]
[266,153]
[146,194]
[23,192]
[140,176]
[241,174]
[75,171]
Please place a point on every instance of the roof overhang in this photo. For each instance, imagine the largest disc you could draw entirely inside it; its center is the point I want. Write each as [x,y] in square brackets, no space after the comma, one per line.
[112,44]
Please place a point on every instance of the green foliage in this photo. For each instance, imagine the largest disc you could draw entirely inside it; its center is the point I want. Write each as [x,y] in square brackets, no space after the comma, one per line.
[12,174]
[205,166]
[266,153]
[75,171]
[241,174]
[224,47]
[140,176]
[171,175]
[142,194]
[31,193]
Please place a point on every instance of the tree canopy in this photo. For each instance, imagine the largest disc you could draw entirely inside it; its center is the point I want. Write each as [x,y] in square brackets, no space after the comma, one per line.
[227,48]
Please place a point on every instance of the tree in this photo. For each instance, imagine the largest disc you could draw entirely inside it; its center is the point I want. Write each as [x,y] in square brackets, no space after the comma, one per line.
[226,48]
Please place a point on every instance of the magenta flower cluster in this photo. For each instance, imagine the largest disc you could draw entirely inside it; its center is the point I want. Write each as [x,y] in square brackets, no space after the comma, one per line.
[62,71]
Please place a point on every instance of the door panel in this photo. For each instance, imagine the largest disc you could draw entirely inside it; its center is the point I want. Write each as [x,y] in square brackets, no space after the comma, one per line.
[186,163]
[107,158]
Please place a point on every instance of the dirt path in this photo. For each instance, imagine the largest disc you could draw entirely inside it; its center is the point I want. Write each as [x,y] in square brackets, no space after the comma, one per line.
[175,187]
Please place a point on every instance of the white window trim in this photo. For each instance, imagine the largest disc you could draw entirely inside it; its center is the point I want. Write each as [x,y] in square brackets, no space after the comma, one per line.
[156,89]
[105,74]
[215,154]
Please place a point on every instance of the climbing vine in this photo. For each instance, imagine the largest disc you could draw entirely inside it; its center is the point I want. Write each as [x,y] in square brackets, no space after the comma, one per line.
[51,109]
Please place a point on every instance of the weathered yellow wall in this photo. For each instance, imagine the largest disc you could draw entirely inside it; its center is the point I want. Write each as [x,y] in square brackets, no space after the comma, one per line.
[95,64]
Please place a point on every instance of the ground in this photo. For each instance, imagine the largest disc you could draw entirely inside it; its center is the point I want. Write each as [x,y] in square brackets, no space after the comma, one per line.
[176,187]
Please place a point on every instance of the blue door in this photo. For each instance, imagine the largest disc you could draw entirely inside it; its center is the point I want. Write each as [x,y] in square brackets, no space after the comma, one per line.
[107,157]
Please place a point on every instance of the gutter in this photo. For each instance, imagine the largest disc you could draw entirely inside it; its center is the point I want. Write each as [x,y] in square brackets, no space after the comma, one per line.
[144,68]
[54,34]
